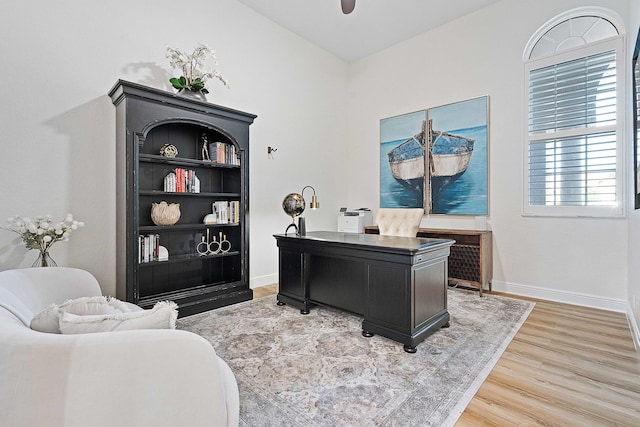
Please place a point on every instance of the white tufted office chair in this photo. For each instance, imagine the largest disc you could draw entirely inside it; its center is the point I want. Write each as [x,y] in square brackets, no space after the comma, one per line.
[399,222]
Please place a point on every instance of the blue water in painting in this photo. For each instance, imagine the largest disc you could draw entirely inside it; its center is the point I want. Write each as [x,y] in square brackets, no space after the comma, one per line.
[465,196]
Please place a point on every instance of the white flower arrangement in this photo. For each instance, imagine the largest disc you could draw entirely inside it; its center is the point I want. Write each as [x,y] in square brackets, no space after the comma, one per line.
[194,76]
[42,232]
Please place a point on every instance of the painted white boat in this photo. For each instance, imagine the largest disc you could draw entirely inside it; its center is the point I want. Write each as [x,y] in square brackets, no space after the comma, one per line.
[450,158]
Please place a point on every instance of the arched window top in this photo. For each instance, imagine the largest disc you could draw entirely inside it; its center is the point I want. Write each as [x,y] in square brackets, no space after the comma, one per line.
[571,30]
[572,33]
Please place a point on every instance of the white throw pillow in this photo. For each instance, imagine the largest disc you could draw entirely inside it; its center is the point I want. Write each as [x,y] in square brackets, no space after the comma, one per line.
[163,315]
[48,320]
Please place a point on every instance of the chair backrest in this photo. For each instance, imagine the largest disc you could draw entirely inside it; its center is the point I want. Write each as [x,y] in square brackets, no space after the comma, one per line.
[399,222]
[26,291]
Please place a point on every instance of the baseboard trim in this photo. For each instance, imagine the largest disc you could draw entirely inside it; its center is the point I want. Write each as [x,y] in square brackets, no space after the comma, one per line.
[634,327]
[574,298]
[269,279]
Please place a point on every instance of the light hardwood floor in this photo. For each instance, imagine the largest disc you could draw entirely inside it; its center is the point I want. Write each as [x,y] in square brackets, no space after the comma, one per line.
[263,291]
[566,366]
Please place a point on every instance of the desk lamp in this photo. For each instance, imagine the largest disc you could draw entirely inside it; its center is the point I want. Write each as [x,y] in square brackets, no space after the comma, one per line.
[294,204]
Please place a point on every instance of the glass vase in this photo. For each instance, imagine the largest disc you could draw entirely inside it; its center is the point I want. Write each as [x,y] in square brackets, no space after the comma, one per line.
[44,260]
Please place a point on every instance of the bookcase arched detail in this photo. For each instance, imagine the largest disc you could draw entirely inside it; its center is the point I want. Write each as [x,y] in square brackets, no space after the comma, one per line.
[208,247]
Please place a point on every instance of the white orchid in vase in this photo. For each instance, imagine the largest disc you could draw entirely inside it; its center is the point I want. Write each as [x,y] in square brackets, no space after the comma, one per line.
[40,234]
[194,77]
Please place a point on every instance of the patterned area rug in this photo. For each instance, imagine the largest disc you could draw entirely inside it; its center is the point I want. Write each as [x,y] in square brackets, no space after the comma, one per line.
[318,369]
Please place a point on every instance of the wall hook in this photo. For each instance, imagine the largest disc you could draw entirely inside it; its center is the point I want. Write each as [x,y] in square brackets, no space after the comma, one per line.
[270,151]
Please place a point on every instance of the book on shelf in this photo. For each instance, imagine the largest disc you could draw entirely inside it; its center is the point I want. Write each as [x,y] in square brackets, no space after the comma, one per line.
[222,152]
[226,212]
[182,181]
[148,248]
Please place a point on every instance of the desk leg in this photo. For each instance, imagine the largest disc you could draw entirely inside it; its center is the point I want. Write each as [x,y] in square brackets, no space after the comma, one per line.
[406,347]
[409,349]
[304,306]
[292,286]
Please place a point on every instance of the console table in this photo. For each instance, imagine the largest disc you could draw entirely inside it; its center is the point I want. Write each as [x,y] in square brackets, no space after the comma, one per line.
[471,258]
[398,284]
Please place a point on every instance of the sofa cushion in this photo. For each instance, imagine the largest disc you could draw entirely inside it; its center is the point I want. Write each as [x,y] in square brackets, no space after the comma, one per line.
[48,320]
[163,315]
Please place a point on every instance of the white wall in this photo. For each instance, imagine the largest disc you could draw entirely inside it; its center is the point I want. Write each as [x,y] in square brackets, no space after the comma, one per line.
[633,312]
[575,260]
[59,60]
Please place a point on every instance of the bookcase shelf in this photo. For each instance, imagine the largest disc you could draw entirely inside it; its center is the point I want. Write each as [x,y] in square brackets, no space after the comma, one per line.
[183,227]
[185,193]
[148,119]
[181,161]
[187,258]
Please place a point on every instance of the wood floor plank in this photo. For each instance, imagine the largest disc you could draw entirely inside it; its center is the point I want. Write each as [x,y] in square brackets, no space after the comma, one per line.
[589,400]
[540,407]
[567,366]
[620,372]
[574,382]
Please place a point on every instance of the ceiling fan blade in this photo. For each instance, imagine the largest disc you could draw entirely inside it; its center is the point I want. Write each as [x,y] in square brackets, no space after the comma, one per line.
[347,6]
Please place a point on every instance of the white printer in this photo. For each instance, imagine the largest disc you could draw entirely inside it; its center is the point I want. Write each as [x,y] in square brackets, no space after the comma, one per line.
[354,221]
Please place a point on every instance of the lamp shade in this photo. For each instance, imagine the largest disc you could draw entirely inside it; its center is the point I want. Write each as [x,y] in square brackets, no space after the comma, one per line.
[314,199]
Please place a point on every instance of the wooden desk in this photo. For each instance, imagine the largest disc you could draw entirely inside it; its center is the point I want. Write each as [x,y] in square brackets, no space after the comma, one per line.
[398,284]
[471,258]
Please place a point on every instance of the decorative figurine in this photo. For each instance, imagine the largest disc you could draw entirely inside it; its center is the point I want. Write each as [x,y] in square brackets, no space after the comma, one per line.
[205,149]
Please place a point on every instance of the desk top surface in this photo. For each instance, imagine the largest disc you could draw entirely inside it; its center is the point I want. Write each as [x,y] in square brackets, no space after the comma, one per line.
[404,244]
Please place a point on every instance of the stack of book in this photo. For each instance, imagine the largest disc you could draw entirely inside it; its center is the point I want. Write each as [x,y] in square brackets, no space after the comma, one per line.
[221,152]
[227,212]
[148,248]
[182,181]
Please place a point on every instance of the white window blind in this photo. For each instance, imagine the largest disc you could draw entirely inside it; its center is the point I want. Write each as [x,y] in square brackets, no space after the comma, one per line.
[573,171]
[573,133]
[575,94]
[579,169]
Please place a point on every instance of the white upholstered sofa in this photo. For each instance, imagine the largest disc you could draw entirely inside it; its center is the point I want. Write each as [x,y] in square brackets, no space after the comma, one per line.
[123,378]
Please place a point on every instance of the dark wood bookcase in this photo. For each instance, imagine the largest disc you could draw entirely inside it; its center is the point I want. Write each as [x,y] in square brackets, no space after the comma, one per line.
[146,120]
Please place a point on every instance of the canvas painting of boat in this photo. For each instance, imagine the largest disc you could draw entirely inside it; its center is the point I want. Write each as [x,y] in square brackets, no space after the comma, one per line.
[451,147]
[409,192]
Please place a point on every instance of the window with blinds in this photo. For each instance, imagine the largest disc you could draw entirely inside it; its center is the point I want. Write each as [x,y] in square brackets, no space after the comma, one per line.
[574,131]
[578,169]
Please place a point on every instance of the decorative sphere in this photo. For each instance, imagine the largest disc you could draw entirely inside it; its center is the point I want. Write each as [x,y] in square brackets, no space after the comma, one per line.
[168,150]
[293,204]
